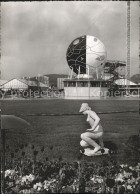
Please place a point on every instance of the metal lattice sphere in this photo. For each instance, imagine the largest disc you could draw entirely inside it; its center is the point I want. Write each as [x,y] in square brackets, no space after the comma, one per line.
[86,53]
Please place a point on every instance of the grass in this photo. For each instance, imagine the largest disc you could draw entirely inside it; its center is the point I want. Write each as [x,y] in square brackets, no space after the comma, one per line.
[60,135]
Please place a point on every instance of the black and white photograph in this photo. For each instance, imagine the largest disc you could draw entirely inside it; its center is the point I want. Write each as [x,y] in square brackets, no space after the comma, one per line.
[70,97]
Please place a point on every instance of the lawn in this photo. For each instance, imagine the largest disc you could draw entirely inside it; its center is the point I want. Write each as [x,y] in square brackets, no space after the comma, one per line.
[60,135]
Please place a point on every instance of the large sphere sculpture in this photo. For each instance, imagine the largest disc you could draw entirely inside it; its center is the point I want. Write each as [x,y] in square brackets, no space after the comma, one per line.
[87,54]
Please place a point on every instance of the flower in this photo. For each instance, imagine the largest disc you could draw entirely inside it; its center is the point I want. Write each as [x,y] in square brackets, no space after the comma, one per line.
[127,174]
[122,165]
[130,167]
[39,188]
[119,179]
[99,180]
[24,183]
[31,177]
[10,173]
[7,173]
[129,187]
[35,186]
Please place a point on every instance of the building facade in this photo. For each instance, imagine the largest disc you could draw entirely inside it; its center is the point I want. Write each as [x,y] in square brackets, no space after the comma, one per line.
[60,83]
[23,84]
[85,88]
[40,78]
[14,84]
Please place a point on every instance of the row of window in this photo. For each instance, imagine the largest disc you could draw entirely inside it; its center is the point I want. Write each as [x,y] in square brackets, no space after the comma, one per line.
[85,84]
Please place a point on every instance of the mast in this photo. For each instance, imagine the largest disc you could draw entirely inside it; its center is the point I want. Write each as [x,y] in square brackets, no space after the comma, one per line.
[128,69]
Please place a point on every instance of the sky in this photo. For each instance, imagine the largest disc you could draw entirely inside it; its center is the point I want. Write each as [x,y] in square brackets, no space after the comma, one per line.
[35,35]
